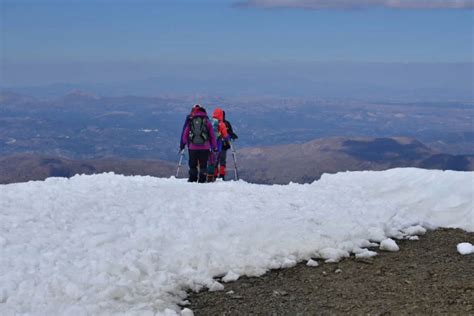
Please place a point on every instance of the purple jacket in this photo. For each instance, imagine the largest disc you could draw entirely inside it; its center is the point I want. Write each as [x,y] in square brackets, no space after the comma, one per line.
[207,145]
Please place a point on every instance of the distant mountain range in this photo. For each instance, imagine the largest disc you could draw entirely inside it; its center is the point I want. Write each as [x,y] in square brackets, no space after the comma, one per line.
[307,162]
[280,164]
[356,80]
[81,125]
[27,167]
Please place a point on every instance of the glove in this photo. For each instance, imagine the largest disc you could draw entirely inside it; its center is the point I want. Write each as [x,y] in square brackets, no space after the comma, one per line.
[234,137]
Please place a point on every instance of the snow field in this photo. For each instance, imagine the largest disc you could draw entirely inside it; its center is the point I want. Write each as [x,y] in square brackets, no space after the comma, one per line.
[109,244]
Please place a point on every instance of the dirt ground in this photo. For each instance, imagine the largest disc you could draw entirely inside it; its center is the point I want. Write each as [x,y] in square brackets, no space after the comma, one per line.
[427,276]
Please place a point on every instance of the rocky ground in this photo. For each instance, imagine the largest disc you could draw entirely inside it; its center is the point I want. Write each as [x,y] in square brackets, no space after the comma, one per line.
[427,276]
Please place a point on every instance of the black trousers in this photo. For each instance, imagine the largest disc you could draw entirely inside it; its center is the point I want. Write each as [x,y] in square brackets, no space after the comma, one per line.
[223,157]
[198,158]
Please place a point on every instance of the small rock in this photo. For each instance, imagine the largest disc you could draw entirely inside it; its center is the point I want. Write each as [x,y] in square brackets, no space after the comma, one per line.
[230,292]
[338,271]
[280,293]
[365,260]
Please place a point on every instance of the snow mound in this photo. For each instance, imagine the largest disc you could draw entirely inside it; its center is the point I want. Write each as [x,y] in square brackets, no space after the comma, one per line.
[110,244]
[415,230]
[465,248]
[365,254]
[389,245]
[230,276]
[187,312]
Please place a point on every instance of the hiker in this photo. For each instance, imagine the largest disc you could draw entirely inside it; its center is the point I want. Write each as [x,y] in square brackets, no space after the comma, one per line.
[199,136]
[220,131]
[225,147]
[194,109]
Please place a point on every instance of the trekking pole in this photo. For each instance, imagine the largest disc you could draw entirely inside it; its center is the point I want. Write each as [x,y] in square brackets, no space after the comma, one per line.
[236,173]
[181,155]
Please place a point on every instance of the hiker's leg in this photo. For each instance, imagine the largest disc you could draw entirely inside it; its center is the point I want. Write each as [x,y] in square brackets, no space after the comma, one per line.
[203,157]
[193,162]
[211,166]
[222,163]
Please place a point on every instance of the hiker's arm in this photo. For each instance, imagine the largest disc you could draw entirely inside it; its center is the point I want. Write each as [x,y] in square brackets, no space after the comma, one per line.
[185,136]
[212,135]
[181,143]
[231,130]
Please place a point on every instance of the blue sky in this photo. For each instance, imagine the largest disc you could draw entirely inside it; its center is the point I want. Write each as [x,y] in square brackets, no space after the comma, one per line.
[194,33]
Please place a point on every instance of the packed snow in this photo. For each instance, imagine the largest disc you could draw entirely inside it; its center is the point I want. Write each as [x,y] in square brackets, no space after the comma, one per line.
[365,254]
[110,244]
[389,245]
[465,248]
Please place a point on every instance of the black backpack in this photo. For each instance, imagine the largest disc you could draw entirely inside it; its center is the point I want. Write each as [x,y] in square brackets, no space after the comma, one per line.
[198,133]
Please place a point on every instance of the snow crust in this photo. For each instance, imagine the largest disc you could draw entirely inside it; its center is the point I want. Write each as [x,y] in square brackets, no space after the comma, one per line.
[110,245]
[365,254]
[415,230]
[465,248]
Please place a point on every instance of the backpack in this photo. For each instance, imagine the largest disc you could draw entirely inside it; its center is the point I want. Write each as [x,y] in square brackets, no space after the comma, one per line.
[226,144]
[198,133]
[215,126]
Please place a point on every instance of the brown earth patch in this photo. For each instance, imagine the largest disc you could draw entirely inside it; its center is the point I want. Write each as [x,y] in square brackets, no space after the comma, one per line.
[427,276]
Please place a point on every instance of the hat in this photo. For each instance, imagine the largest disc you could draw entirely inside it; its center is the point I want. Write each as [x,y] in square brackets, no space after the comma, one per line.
[195,108]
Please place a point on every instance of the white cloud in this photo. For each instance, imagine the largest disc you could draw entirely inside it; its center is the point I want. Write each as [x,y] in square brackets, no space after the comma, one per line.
[359,4]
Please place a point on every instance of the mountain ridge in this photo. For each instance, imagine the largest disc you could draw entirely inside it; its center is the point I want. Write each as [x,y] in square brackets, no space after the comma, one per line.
[30,167]
[308,161]
[280,164]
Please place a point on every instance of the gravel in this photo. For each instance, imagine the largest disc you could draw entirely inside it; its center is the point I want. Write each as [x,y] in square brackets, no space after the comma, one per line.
[427,276]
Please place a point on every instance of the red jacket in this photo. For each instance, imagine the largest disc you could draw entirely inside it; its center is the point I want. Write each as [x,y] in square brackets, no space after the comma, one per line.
[221,128]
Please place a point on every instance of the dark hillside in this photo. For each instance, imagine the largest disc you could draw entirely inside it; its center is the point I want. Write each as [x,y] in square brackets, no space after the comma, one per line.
[307,162]
[22,168]
[281,164]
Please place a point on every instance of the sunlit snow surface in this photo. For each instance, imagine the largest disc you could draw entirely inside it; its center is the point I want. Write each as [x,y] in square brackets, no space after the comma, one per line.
[110,244]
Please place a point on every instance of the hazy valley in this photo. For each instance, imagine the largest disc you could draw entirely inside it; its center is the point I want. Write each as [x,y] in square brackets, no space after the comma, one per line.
[280,139]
